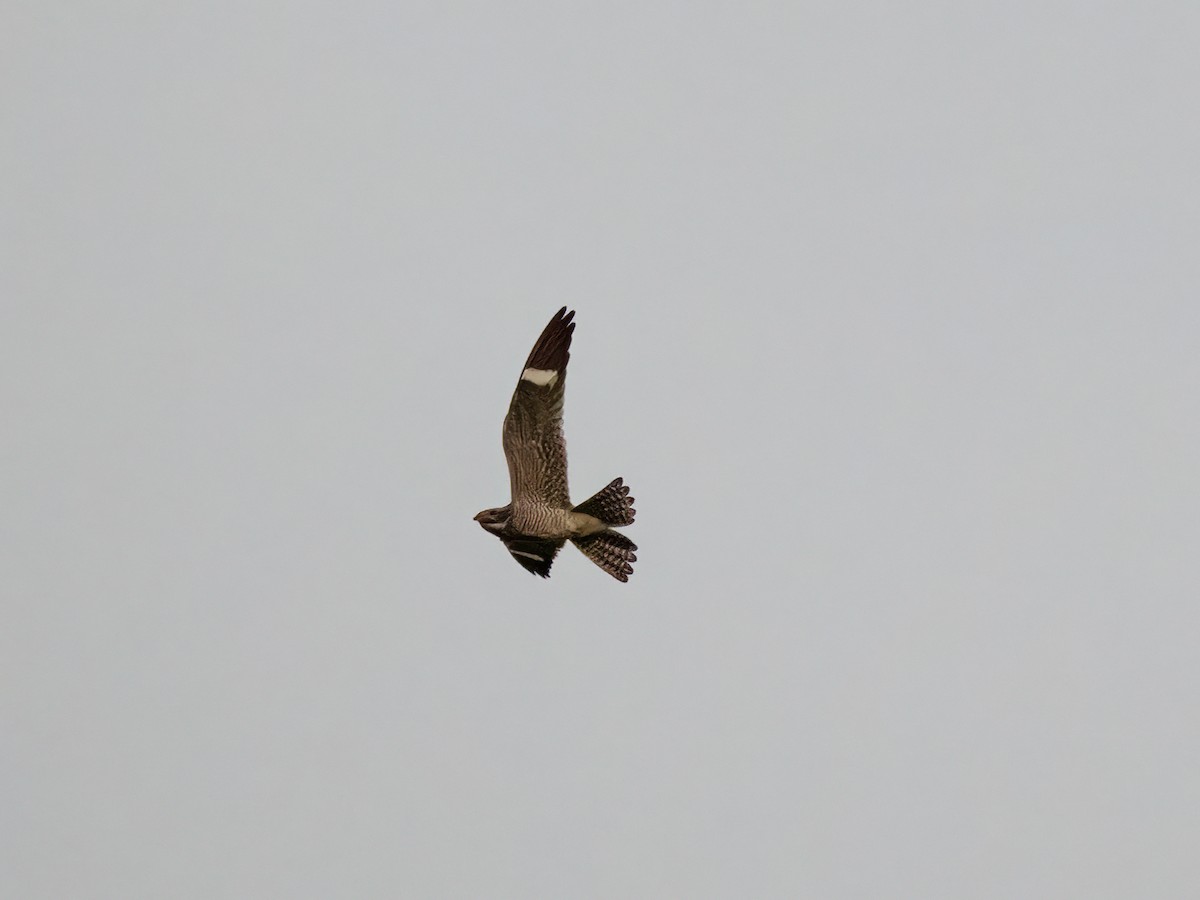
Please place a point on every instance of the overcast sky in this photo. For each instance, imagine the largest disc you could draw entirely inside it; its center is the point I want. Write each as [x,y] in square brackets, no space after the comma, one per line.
[887,312]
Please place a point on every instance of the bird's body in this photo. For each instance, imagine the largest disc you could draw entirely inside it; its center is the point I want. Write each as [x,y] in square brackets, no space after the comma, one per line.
[541,517]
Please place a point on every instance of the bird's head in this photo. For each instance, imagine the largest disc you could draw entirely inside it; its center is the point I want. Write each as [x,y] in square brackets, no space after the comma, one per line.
[494,520]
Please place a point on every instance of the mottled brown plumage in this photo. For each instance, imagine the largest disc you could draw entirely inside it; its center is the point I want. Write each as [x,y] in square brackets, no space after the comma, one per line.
[540,517]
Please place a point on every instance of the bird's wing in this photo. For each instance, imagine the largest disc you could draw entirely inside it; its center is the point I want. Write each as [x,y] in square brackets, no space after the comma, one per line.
[533,436]
[534,554]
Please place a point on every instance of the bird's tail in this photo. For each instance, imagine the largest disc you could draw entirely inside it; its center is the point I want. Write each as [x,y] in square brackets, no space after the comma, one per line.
[611,551]
[612,505]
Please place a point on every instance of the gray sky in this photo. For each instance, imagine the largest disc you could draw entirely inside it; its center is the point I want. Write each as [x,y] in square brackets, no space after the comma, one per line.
[887,312]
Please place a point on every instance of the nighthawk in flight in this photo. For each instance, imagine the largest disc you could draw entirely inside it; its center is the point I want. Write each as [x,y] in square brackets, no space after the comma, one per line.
[541,517]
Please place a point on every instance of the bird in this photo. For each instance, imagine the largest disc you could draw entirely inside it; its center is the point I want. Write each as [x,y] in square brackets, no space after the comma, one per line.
[540,517]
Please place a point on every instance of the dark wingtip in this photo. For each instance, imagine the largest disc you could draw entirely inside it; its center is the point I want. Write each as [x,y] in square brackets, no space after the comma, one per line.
[552,350]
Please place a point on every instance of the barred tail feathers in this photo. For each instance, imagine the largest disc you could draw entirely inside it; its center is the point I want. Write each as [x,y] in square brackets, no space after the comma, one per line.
[610,550]
[612,505]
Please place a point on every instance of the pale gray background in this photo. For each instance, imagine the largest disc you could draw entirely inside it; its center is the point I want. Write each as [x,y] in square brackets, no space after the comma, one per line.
[887,312]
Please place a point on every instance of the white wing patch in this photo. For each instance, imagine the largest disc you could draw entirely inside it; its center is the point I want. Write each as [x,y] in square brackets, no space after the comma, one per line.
[540,377]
